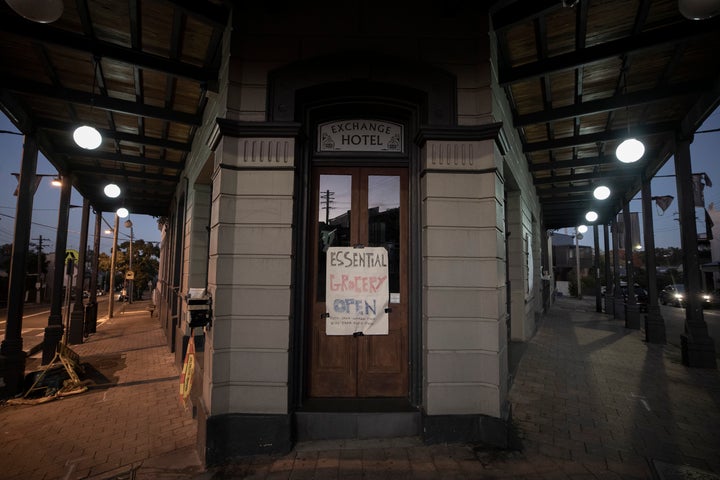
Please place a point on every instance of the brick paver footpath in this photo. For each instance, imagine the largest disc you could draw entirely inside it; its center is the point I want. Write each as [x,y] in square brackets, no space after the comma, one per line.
[131,416]
[590,400]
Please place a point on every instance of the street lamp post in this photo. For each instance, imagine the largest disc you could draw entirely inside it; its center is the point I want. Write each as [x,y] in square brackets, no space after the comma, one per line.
[129,224]
[111,300]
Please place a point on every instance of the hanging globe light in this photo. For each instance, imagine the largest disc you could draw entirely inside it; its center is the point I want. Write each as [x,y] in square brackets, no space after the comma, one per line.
[122,212]
[591,216]
[111,190]
[699,9]
[630,150]
[582,228]
[87,137]
[601,193]
[41,11]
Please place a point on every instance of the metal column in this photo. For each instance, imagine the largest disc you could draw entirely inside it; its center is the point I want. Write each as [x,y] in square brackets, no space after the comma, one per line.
[11,348]
[698,349]
[54,330]
[609,303]
[632,310]
[77,319]
[654,323]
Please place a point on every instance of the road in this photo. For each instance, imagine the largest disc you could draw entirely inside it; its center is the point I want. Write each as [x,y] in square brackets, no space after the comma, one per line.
[35,319]
[675,324]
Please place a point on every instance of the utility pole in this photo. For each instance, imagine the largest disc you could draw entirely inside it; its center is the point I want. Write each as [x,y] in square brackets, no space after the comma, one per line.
[327,199]
[129,224]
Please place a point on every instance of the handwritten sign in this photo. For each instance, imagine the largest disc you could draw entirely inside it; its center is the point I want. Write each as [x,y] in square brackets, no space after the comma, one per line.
[356,291]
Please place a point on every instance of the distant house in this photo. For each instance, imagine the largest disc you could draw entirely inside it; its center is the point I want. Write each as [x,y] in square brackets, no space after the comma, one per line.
[565,260]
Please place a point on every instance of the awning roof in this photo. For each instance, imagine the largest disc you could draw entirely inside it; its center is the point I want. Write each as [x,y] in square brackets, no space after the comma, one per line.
[138,71]
[577,79]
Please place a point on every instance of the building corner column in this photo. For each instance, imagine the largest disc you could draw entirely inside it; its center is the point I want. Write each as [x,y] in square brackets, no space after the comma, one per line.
[466,374]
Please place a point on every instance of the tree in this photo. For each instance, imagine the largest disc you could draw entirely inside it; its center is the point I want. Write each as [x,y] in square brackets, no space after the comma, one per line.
[31,269]
[145,264]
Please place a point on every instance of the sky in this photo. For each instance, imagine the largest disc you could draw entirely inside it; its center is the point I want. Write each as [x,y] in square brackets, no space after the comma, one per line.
[704,152]
[47,199]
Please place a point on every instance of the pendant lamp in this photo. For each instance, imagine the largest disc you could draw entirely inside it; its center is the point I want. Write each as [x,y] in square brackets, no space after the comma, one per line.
[602,192]
[111,190]
[699,9]
[630,150]
[86,136]
[41,11]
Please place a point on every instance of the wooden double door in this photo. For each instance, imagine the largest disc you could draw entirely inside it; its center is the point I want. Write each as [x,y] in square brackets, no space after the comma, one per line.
[360,207]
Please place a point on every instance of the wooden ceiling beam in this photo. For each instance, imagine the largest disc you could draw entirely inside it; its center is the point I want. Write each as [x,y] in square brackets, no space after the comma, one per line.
[573,163]
[29,87]
[120,158]
[210,13]
[520,12]
[119,172]
[619,173]
[592,138]
[52,124]
[612,103]
[615,48]
[50,35]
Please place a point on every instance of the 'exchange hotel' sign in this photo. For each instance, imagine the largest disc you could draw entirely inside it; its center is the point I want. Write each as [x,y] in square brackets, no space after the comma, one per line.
[360,136]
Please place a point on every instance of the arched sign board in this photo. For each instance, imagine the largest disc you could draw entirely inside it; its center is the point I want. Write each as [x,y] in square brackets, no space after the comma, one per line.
[359,135]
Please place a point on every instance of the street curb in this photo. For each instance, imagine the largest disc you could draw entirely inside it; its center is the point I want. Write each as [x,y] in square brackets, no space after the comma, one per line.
[34,350]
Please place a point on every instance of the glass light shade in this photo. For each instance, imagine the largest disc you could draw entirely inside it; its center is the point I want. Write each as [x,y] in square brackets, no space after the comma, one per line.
[630,150]
[87,137]
[582,228]
[41,11]
[591,216]
[122,212]
[601,193]
[699,9]
[111,190]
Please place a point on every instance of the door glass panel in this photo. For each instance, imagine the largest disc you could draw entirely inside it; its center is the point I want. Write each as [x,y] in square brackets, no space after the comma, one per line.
[334,200]
[384,221]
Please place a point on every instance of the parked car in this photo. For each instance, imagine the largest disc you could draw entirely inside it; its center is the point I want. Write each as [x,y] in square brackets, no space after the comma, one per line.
[675,295]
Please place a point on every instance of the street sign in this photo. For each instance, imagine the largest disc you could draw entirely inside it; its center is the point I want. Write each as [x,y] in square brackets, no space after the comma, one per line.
[130,275]
[71,255]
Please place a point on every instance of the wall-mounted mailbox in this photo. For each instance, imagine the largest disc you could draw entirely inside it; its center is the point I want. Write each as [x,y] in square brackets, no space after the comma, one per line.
[199,308]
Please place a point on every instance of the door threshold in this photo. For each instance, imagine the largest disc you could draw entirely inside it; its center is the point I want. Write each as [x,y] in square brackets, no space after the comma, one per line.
[357,405]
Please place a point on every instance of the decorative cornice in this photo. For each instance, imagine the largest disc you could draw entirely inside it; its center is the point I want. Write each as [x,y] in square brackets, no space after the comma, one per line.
[239,129]
[490,131]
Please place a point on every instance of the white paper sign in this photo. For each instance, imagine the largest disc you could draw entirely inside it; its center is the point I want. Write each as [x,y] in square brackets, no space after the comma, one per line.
[356,291]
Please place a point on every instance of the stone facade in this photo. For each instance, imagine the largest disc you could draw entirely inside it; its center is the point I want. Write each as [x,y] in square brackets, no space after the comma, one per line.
[245,235]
